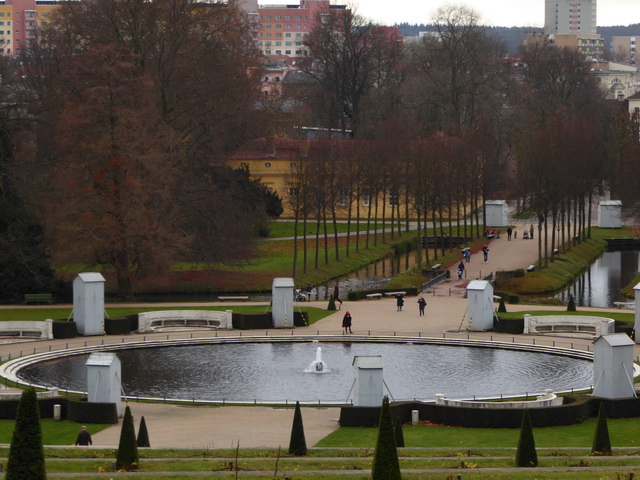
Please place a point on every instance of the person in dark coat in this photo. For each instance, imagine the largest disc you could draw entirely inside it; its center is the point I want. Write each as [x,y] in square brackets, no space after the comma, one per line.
[485,252]
[399,301]
[421,304]
[346,323]
[336,294]
[531,231]
[84,437]
[509,232]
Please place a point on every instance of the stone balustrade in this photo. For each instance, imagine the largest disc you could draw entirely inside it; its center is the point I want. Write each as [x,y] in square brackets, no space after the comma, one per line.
[153,321]
[547,399]
[572,324]
[37,329]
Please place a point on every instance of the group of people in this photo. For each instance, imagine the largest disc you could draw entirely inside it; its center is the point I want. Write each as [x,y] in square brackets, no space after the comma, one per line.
[527,234]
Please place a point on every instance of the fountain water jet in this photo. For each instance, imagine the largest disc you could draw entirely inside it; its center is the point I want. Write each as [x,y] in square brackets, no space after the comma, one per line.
[318,365]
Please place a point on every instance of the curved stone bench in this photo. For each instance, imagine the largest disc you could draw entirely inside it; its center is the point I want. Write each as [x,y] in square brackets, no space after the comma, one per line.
[547,399]
[550,324]
[37,329]
[151,321]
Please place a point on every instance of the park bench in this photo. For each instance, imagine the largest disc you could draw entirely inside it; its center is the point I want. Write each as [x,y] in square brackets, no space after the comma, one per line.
[394,294]
[374,295]
[573,324]
[625,304]
[38,297]
[231,299]
[436,266]
[158,320]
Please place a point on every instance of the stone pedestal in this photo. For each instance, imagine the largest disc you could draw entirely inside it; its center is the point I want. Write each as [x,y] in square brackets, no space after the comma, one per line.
[496,211]
[104,384]
[368,389]
[479,306]
[88,303]
[613,367]
[610,214]
[282,302]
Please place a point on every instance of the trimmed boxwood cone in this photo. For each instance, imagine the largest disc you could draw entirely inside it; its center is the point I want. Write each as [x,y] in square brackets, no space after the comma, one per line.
[332,303]
[127,457]
[297,443]
[601,441]
[143,435]
[385,459]
[502,308]
[526,455]
[572,304]
[399,433]
[26,454]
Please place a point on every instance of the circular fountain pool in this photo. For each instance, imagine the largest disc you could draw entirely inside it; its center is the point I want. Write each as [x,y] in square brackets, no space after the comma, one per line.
[278,372]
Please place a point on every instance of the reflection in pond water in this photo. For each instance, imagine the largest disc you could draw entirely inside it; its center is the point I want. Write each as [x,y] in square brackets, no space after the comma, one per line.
[600,285]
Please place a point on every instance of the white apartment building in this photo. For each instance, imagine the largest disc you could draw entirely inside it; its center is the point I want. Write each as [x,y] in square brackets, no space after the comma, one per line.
[570,16]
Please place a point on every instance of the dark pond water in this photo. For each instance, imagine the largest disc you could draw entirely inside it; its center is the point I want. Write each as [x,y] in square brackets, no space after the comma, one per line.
[279,372]
[600,285]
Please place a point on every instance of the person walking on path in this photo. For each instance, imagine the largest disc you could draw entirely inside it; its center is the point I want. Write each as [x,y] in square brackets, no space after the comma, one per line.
[84,437]
[467,255]
[485,252]
[421,304]
[336,294]
[346,323]
[509,232]
[399,301]
[531,231]
[460,269]
[515,234]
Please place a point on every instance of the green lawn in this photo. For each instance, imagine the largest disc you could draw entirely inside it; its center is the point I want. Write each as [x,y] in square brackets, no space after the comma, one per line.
[53,432]
[623,433]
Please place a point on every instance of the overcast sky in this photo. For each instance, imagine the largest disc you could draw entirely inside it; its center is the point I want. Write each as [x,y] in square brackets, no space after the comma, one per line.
[506,13]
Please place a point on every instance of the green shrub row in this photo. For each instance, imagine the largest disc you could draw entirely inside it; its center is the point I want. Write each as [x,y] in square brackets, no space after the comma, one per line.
[64,329]
[506,274]
[511,298]
[79,411]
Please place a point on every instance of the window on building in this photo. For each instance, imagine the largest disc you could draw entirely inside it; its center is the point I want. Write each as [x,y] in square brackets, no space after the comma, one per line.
[287,44]
[287,17]
[287,26]
[343,197]
[287,52]
[298,35]
[267,17]
[268,35]
[298,52]
[278,52]
[394,198]
[293,192]
[267,52]
[298,26]
[288,35]
[278,17]
[1,14]
[278,25]
[298,17]
[278,35]
[267,25]
[366,198]
[278,44]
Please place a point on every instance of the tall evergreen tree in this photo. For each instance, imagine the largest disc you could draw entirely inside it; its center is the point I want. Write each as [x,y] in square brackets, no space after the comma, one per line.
[298,443]
[26,454]
[143,435]
[526,456]
[386,465]
[127,458]
[399,433]
[601,441]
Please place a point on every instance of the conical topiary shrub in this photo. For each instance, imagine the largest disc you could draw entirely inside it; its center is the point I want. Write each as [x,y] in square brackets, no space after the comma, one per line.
[571,307]
[127,457]
[526,455]
[297,443]
[502,308]
[332,303]
[26,454]
[143,435]
[601,442]
[385,459]
[399,433]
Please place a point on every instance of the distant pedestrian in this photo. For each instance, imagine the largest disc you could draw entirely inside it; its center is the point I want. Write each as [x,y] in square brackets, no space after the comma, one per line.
[467,255]
[336,294]
[84,437]
[531,231]
[421,304]
[346,323]
[515,234]
[509,232]
[460,270]
[485,252]
[399,301]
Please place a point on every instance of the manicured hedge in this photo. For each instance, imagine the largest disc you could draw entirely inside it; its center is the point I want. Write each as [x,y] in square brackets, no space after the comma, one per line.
[575,410]
[362,294]
[75,410]
[508,325]
[252,321]
[64,329]
[301,319]
[117,326]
